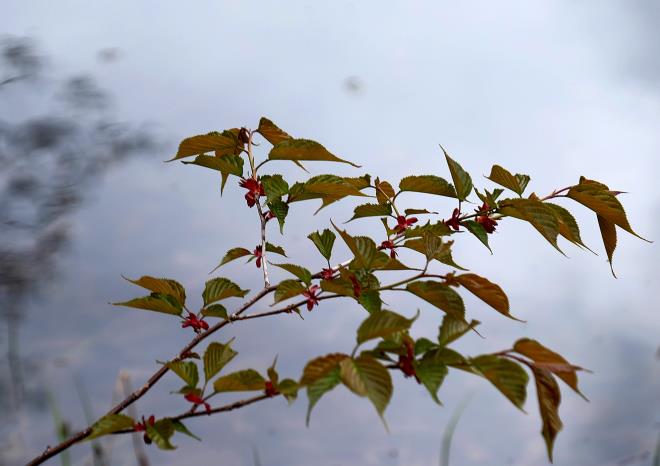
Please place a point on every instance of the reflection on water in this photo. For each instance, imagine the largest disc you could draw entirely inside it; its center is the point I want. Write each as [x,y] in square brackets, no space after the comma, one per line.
[49,161]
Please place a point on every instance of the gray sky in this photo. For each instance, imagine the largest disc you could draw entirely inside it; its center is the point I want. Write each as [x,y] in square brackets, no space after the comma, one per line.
[553,89]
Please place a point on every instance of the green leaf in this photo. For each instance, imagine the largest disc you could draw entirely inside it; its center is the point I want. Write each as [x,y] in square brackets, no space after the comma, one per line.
[441,296]
[608,233]
[227,165]
[331,185]
[429,184]
[303,149]
[363,248]
[222,143]
[288,289]
[507,376]
[221,288]
[275,249]
[568,227]
[423,345]
[274,186]
[231,255]
[280,209]
[216,357]
[433,246]
[461,179]
[598,198]
[549,398]
[452,329]
[164,286]
[301,272]
[539,215]
[370,300]
[271,132]
[340,286]
[487,291]
[439,229]
[273,376]
[289,389]
[161,432]
[109,424]
[155,302]
[320,376]
[180,427]
[323,242]
[503,177]
[186,370]
[215,310]
[547,359]
[371,210]
[381,324]
[242,381]
[384,192]
[477,230]
[431,373]
[365,376]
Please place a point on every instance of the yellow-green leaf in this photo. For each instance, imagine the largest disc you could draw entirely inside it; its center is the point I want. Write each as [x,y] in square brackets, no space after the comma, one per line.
[288,289]
[216,357]
[431,373]
[231,255]
[539,215]
[160,433]
[568,227]
[157,302]
[602,201]
[371,210]
[461,179]
[303,149]
[323,242]
[441,296]
[274,186]
[109,424]
[365,376]
[477,230]
[428,184]
[221,288]
[549,398]
[271,132]
[452,329]
[502,176]
[384,191]
[215,310]
[202,143]
[275,249]
[301,272]
[161,285]
[186,370]
[487,291]
[320,376]
[547,359]
[242,381]
[608,233]
[507,376]
[227,165]
[381,324]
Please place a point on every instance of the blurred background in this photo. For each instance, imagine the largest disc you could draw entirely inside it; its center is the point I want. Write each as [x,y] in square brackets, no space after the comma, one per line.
[95,95]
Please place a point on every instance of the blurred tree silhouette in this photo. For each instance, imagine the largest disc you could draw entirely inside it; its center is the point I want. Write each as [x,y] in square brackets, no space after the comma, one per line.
[48,161]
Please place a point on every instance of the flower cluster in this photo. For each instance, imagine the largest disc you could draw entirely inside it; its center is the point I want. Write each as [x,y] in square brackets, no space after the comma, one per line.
[404,223]
[195,323]
[255,190]
[487,222]
[454,221]
[388,245]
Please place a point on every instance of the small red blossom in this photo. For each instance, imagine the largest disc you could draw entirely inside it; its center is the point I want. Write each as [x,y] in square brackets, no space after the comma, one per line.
[255,190]
[488,223]
[403,223]
[195,323]
[454,222]
[310,294]
[357,288]
[270,389]
[388,245]
[258,253]
[197,400]
[142,426]
[268,215]
[406,361]
[327,274]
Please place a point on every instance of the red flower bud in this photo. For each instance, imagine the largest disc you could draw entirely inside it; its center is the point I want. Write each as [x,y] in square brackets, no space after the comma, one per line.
[403,223]
[270,389]
[488,223]
[454,222]
[327,274]
[142,426]
[357,288]
[388,245]
[258,253]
